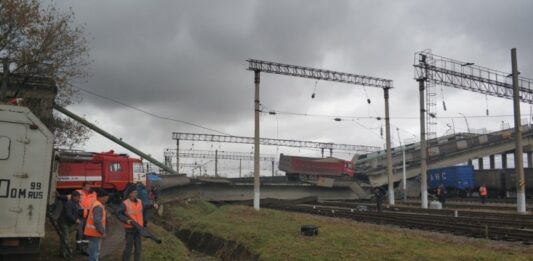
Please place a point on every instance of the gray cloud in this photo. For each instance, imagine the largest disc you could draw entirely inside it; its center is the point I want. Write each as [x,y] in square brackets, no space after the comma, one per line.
[186,60]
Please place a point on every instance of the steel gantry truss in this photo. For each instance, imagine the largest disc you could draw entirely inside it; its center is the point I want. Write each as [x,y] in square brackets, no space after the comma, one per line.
[435,69]
[218,155]
[258,66]
[318,74]
[467,76]
[273,142]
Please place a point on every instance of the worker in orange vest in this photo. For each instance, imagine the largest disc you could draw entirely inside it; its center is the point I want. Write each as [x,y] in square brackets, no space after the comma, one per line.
[130,212]
[483,193]
[87,199]
[96,226]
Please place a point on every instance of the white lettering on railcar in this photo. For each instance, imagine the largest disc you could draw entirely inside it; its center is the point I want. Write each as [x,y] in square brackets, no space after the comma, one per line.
[33,192]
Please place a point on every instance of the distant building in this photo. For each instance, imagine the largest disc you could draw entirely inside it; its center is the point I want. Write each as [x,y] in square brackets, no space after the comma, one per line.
[38,95]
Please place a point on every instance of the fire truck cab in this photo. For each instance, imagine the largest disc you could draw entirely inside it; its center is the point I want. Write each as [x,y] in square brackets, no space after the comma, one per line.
[107,170]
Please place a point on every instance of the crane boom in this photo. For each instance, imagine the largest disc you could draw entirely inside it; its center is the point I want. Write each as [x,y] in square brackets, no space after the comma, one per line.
[114,139]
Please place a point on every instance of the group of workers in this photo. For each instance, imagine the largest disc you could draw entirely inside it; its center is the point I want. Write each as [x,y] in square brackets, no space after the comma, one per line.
[85,210]
[440,192]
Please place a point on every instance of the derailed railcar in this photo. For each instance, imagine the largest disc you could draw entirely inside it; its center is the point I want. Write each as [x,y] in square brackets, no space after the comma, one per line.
[312,168]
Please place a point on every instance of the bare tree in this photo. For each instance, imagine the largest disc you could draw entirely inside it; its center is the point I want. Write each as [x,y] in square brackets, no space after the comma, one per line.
[37,41]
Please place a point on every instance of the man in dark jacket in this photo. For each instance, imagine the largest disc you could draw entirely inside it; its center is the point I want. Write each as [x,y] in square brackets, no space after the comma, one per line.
[379,194]
[69,218]
[441,194]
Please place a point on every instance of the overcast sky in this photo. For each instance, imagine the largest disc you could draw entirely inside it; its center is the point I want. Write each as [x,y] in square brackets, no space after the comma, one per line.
[186,60]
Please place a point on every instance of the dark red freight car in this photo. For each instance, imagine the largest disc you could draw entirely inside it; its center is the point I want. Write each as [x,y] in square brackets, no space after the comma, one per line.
[311,168]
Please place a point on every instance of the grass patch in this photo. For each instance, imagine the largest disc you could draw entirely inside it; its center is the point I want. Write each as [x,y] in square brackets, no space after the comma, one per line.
[275,236]
[171,248]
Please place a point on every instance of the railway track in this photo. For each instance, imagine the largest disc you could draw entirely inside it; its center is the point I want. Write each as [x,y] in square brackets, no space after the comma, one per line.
[457,205]
[488,201]
[490,228]
[444,212]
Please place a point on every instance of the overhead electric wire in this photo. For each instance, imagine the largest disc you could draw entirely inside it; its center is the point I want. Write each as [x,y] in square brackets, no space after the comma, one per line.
[151,113]
[274,112]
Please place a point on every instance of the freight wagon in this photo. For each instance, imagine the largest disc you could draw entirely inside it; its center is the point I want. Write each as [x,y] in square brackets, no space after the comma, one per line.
[462,180]
[458,180]
[502,182]
[307,168]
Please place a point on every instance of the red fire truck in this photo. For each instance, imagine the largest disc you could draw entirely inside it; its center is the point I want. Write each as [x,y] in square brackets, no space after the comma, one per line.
[106,170]
[306,168]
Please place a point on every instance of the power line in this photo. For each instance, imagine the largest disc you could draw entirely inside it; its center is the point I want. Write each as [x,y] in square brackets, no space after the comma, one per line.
[277,112]
[150,113]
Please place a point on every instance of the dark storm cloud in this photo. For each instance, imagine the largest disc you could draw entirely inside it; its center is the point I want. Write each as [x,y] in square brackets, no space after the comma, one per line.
[186,59]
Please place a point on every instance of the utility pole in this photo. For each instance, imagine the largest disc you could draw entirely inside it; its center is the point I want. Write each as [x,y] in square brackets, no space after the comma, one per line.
[389,152]
[3,91]
[404,177]
[178,156]
[256,141]
[272,169]
[518,154]
[423,152]
[216,163]
[240,168]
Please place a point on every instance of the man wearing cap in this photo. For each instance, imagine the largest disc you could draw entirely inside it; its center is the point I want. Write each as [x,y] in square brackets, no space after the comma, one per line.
[96,226]
[130,211]
[69,217]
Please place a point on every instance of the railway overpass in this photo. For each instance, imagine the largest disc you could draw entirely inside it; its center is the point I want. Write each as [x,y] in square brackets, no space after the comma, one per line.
[442,152]
[371,168]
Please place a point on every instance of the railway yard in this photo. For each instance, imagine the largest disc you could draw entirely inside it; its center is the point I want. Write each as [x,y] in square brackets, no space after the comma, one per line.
[178,171]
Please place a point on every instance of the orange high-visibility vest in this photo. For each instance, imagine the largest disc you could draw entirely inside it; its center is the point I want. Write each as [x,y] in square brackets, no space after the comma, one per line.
[86,201]
[483,191]
[90,228]
[134,210]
